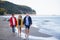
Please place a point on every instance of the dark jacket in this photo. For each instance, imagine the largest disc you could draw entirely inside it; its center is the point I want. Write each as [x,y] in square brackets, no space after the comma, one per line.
[29,20]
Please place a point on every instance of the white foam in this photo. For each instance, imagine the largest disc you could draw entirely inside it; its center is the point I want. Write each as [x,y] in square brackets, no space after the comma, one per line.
[53,28]
[35,37]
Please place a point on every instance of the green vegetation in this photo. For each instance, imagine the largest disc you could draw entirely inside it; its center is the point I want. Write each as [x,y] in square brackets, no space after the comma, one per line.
[2,11]
[10,8]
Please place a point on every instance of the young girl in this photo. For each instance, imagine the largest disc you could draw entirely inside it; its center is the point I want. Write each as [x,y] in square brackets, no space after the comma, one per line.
[20,24]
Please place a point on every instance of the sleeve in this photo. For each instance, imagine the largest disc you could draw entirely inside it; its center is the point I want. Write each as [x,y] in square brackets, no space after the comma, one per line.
[17,23]
[24,21]
[31,20]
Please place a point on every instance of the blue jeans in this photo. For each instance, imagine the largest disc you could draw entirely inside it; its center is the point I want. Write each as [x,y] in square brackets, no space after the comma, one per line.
[13,29]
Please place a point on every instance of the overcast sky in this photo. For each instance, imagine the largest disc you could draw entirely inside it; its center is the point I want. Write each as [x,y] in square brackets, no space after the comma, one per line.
[42,7]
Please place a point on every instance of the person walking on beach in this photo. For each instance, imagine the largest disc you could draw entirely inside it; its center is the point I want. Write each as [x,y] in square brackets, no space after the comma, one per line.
[27,22]
[20,24]
[13,22]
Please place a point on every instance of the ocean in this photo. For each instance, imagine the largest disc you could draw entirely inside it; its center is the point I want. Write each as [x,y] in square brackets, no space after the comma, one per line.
[46,24]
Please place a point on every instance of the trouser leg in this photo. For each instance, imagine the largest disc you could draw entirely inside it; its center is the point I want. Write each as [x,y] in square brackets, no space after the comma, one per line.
[13,29]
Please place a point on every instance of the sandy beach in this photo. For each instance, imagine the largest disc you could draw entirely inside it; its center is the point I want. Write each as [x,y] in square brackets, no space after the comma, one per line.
[6,34]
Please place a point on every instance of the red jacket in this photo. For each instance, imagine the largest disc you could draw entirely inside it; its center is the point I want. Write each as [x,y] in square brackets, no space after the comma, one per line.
[11,21]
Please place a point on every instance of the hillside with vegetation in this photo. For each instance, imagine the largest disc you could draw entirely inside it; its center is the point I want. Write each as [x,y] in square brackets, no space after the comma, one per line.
[9,8]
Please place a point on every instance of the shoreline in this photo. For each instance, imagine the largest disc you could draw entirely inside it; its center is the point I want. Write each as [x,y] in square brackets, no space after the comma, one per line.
[29,14]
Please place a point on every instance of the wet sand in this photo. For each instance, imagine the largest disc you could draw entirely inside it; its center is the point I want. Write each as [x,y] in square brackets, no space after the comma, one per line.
[6,34]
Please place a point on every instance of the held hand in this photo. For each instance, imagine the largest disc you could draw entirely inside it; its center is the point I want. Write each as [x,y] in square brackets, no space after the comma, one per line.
[10,25]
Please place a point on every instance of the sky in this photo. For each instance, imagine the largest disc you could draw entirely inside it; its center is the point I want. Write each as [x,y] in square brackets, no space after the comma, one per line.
[42,7]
